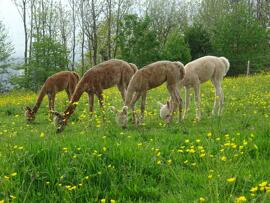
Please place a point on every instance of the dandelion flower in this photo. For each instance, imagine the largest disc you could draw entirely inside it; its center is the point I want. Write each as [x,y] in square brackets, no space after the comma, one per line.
[201,199]
[103,200]
[241,199]
[231,180]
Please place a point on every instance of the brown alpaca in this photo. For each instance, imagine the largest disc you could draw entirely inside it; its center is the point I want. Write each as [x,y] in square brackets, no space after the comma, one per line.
[149,77]
[64,80]
[197,72]
[94,81]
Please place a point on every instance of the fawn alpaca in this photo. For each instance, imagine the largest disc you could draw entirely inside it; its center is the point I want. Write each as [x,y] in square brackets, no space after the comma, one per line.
[197,72]
[147,78]
[64,80]
[94,81]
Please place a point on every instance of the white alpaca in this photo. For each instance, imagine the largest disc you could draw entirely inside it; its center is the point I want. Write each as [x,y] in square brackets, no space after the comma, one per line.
[197,72]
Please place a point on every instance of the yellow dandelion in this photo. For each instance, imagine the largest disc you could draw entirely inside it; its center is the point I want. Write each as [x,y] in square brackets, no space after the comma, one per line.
[13,174]
[263,184]
[210,176]
[103,200]
[2,201]
[231,180]
[223,158]
[253,189]
[113,201]
[240,199]
[201,199]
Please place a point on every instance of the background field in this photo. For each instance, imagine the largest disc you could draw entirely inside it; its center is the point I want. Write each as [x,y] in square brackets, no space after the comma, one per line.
[216,160]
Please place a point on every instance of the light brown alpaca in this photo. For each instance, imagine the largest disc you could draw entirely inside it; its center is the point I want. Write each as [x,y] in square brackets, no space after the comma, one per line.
[94,81]
[64,80]
[199,71]
[147,78]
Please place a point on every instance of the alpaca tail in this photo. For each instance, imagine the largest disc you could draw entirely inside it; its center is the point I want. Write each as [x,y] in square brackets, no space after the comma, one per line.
[227,64]
[77,76]
[41,95]
[134,67]
[181,69]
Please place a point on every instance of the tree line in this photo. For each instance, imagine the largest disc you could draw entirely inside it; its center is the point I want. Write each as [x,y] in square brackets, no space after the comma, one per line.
[76,35]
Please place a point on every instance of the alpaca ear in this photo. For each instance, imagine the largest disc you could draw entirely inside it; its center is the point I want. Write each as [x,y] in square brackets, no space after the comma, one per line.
[113,109]
[168,105]
[160,104]
[125,109]
[27,108]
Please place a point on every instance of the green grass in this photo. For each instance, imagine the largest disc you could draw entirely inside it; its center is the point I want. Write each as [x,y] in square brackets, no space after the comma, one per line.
[94,159]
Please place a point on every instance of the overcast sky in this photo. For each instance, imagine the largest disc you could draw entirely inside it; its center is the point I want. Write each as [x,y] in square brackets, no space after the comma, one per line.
[14,26]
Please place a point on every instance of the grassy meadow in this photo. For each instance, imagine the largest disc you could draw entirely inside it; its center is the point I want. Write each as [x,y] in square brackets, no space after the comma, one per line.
[219,159]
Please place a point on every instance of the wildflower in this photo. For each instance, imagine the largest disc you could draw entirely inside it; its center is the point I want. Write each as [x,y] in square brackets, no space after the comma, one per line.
[231,180]
[13,174]
[202,155]
[42,135]
[103,200]
[2,201]
[210,176]
[263,184]
[113,201]
[253,189]
[12,197]
[169,161]
[241,199]
[223,158]
[158,162]
[201,199]
[209,134]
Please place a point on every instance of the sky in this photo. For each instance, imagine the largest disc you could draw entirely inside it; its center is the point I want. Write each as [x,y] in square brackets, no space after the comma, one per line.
[14,26]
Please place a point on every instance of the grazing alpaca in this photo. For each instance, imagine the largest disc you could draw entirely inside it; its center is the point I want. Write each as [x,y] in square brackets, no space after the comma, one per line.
[64,80]
[197,72]
[147,78]
[94,81]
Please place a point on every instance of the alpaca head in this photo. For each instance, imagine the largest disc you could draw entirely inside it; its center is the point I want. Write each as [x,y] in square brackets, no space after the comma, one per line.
[121,117]
[59,121]
[166,111]
[29,114]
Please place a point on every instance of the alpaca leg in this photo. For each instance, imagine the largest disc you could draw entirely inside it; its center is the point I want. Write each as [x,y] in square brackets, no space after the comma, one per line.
[221,100]
[217,96]
[132,106]
[91,103]
[122,90]
[176,97]
[68,94]
[197,101]
[179,101]
[187,100]
[51,98]
[143,106]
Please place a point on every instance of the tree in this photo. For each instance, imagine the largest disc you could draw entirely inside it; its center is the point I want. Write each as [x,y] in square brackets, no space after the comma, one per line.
[6,48]
[48,57]
[176,49]
[198,40]
[240,37]
[137,41]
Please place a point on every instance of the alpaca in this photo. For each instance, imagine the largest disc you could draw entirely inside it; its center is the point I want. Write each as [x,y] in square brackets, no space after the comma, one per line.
[147,78]
[94,81]
[197,72]
[64,80]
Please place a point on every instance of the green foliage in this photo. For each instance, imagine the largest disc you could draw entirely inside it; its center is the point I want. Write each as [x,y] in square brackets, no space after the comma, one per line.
[198,40]
[240,37]
[48,57]
[6,48]
[176,49]
[137,41]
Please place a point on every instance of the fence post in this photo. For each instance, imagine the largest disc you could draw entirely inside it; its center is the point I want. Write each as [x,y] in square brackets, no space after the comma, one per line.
[248,71]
